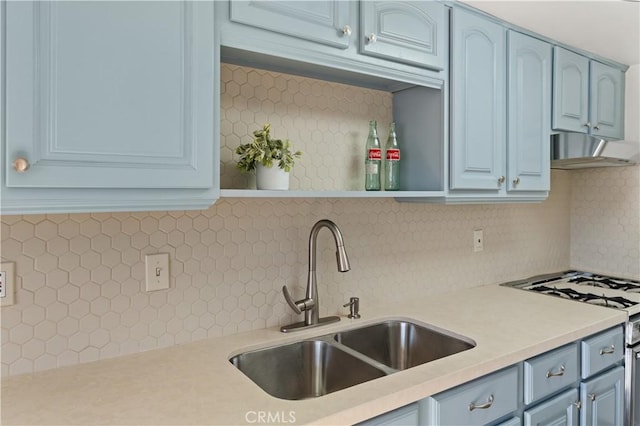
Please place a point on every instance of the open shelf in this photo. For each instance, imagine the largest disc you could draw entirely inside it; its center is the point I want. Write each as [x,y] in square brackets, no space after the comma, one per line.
[254,193]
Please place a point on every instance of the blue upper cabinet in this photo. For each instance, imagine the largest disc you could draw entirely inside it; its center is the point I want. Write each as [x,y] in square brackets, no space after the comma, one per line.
[588,96]
[529,106]
[325,22]
[477,149]
[570,91]
[607,101]
[410,32]
[104,99]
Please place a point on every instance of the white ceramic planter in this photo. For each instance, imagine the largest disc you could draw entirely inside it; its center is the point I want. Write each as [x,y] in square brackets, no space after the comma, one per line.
[271,178]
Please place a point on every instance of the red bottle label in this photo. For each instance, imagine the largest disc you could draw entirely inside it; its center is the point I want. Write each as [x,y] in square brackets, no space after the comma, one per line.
[393,154]
[375,154]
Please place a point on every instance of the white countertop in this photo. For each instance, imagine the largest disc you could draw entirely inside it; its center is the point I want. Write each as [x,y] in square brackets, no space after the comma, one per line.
[196,384]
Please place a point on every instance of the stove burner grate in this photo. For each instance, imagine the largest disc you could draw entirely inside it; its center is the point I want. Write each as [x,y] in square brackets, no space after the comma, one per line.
[605,282]
[616,302]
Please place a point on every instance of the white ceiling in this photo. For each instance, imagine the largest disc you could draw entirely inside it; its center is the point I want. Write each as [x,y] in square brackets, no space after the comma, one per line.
[609,28]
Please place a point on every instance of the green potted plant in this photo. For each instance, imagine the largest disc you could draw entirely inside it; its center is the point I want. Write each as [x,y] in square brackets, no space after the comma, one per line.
[263,154]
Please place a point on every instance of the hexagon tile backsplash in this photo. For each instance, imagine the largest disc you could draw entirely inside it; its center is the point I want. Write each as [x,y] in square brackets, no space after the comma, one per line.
[80,277]
[605,220]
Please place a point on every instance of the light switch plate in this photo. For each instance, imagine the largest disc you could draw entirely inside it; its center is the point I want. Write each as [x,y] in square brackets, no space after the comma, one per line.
[7,283]
[157,271]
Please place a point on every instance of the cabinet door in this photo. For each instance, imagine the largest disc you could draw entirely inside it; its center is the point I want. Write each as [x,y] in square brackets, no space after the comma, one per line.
[559,410]
[478,103]
[404,416]
[529,106]
[404,31]
[326,22]
[607,101]
[603,399]
[110,94]
[570,91]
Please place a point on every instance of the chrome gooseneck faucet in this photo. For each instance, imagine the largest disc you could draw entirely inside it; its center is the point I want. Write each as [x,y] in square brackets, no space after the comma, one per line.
[310,304]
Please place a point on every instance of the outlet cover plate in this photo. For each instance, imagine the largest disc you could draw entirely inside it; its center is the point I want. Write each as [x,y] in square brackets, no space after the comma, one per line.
[478,240]
[157,271]
[7,283]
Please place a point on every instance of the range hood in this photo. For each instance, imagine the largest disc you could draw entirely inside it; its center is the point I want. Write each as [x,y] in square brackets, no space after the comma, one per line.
[579,151]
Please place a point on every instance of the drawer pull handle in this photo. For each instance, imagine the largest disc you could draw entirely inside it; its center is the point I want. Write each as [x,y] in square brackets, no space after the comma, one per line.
[558,373]
[608,351]
[484,406]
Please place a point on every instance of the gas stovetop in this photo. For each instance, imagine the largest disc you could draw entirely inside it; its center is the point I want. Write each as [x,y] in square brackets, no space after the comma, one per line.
[611,292]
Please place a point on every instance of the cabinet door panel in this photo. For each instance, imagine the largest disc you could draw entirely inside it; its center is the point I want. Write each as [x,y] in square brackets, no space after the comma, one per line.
[478,86]
[570,91]
[561,410]
[407,31]
[317,21]
[529,106]
[607,101]
[603,399]
[404,416]
[93,101]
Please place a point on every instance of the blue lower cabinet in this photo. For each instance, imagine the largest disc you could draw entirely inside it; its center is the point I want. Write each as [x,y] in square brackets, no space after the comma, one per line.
[514,421]
[404,416]
[480,402]
[603,399]
[559,410]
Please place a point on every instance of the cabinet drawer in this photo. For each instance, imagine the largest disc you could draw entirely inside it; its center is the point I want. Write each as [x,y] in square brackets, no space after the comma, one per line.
[602,351]
[550,372]
[476,403]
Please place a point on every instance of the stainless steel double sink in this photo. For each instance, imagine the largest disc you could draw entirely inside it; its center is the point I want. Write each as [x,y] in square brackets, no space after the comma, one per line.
[318,366]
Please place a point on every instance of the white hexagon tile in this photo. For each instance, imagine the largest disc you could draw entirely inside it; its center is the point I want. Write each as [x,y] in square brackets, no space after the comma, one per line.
[80,277]
[605,220]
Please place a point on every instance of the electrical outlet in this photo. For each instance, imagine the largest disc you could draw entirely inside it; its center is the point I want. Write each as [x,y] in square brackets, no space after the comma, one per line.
[478,240]
[157,271]
[7,284]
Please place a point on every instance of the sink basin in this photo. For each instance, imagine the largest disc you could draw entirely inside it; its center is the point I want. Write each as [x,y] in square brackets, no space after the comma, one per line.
[402,344]
[305,369]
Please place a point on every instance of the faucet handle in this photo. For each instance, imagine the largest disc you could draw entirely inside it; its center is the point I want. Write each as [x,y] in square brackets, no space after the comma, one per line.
[297,306]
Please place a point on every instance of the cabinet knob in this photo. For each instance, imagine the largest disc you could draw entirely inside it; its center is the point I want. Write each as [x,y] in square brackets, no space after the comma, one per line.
[372,38]
[588,124]
[516,181]
[592,396]
[346,30]
[21,164]
[596,127]
[501,180]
